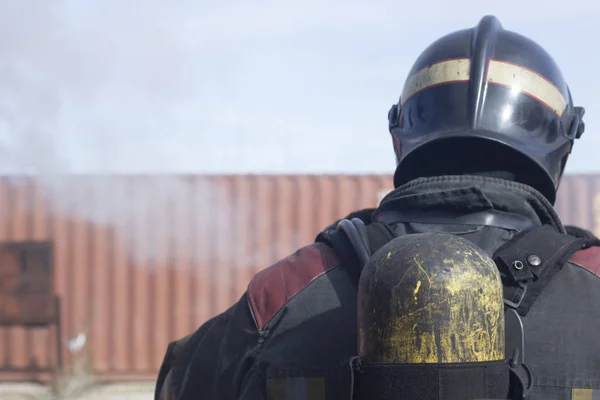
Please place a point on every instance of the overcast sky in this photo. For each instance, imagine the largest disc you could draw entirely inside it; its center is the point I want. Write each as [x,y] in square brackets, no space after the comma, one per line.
[275,86]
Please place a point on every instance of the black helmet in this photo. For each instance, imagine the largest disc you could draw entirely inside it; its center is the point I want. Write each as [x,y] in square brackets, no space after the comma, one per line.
[485,99]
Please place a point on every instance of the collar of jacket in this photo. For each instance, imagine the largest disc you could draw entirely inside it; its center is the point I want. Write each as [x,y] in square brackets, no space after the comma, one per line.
[466,193]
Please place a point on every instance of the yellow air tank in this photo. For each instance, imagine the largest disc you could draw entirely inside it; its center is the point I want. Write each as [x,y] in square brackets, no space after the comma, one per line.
[431,322]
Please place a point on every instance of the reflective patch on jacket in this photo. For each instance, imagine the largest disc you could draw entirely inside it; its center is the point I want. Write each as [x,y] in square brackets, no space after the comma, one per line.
[296,388]
[271,289]
[585,394]
[588,259]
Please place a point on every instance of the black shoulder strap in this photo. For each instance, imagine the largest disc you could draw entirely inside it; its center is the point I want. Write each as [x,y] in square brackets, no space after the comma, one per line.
[529,261]
[591,239]
[354,242]
[527,264]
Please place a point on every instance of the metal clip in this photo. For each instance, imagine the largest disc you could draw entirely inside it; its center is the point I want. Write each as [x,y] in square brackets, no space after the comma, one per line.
[515,305]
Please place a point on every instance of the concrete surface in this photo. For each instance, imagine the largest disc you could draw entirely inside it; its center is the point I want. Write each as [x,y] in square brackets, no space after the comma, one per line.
[120,391]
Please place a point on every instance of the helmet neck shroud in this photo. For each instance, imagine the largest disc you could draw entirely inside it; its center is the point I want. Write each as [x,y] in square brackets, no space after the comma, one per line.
[470,156]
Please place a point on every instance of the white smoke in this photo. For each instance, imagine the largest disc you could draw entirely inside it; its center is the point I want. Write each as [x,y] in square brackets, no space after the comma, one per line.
[96,90]
[104,75]
[151,213]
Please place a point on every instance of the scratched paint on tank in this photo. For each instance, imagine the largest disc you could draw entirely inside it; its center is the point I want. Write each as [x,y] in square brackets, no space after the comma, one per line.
[444,307]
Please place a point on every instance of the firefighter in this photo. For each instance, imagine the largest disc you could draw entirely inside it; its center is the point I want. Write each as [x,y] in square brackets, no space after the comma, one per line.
[482,132]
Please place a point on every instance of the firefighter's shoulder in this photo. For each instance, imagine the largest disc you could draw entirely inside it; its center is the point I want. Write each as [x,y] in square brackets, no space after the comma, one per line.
[588,259]
[272,288]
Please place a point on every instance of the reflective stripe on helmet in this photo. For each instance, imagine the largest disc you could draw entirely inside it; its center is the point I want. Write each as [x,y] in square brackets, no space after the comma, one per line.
[502,73]
[441,73]
[521,79]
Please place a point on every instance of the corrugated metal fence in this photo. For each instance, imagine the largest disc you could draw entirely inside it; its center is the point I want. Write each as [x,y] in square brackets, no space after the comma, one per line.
[140,261]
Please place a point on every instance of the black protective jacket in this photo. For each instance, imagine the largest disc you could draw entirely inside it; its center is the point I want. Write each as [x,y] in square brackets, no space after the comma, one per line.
[295,325]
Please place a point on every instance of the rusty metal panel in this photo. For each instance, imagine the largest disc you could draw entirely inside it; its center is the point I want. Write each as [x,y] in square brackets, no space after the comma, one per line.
[578,201]
[143,260]
[26,287]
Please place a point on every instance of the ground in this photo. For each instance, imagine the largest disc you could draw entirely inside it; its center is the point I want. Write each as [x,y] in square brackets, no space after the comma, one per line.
[122,391]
